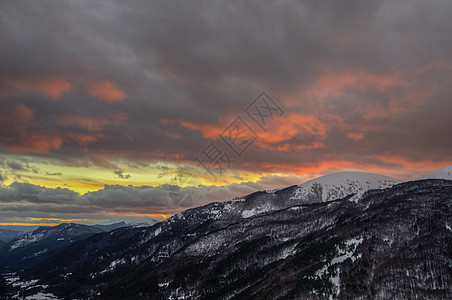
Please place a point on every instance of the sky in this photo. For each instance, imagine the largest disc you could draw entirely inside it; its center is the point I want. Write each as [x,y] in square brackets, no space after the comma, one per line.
[111,109]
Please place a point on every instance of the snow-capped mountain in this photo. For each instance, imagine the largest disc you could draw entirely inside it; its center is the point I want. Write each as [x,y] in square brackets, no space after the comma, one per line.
[445,173]
[341,184]
[325,188]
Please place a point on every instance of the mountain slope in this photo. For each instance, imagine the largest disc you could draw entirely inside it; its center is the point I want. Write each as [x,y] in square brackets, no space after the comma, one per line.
[132,221]
[445,173]
[33,247]
[125,222]
[110,227]
[341,184]
[393,243]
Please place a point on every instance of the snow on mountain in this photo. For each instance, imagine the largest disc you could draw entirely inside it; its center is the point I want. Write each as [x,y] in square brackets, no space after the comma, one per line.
[341,184]
[379,248]
[445,173]
[34,247]
[27,239]
[62,231]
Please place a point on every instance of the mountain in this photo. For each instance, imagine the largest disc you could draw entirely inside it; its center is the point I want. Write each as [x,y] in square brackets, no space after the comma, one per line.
[125,222]
[341,184]
[25,250]
[7,235]
[345,236]
[132,221]
[392,243]
[445,173]
[33,247]
[110,227]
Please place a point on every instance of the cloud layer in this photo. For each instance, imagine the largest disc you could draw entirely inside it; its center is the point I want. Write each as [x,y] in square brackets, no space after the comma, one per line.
[363,86]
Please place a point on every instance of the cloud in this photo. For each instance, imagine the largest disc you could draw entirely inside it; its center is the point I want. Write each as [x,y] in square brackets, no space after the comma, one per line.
[114,198]
[54,174]
[25,192]
[355,135]
[15,165]
[108,91]
[121,174]
[53,87]
[36,143]
[165,199]
[349,101]
[3,177]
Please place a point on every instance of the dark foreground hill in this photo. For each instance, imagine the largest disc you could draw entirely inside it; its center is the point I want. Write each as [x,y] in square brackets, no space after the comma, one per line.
[42,243]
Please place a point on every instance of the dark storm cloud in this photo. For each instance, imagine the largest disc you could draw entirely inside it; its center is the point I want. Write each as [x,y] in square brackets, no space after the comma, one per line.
[26,192]
[15,165]
[121,174]
[54,174]
[204,62]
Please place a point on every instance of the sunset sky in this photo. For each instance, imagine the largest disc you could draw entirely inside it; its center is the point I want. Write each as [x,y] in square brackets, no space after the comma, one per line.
[106,106]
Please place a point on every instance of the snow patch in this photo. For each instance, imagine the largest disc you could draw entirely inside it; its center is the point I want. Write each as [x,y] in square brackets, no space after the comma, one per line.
[340,185]
[41,296]
[349,252]
[39,290]
[445,173]
[113,265]
[296,208]
[157,231]
[249,213]
[286,252]
[27,239]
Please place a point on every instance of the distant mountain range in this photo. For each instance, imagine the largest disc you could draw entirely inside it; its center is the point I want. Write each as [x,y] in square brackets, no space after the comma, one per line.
[24,250]
[6,235]
[347,235]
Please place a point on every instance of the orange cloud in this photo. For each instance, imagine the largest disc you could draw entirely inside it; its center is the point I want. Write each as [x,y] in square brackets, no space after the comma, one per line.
[37,143]
[108,91]
[323,167]
[401,89]
[85,122]
[53,87]
[291,126]
[92,124]
[396,166]
[208,131]
[85,139]
[28,224]
[406,164]
[279,131]
[20,116]
[357,136]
